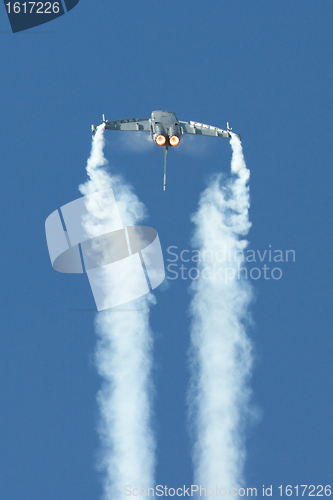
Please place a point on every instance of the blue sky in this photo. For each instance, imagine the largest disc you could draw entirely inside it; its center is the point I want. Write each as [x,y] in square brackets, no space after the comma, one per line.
[266,67]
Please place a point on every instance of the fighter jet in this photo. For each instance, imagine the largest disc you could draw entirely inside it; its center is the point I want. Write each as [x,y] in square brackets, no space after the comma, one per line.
[165,129]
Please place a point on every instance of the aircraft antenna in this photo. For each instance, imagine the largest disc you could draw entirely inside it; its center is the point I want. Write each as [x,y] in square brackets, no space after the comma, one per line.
[165,166]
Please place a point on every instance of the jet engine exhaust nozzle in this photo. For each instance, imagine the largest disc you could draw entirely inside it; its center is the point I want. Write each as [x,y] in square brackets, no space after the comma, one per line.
[174,140]
[160,140]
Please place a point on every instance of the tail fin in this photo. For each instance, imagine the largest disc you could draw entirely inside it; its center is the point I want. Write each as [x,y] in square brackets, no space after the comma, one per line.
[165,166]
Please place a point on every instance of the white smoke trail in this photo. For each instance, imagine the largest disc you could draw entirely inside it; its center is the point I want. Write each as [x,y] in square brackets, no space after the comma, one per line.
[130,208]
[220,354]
[123,354]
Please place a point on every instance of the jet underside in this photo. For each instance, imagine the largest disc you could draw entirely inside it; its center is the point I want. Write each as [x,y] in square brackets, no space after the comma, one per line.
[165,129]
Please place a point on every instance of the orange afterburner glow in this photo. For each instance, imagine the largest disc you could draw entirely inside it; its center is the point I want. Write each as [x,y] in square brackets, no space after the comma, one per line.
[174,140]
[160,140]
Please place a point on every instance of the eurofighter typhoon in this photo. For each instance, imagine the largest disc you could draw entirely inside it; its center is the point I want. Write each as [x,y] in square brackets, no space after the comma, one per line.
[165,129]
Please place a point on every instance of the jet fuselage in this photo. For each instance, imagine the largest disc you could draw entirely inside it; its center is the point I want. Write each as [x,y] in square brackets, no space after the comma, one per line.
[165,129]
